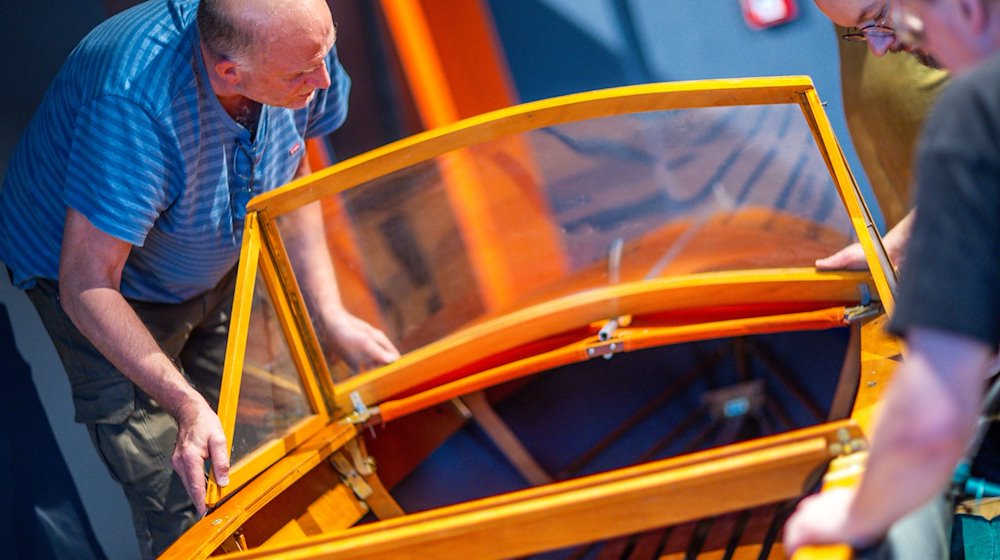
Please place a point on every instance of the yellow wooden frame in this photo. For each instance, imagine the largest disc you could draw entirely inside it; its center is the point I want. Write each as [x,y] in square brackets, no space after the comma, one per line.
[878,260]
[229,516]
[753,473]
[263,245]
[539,114]
[260,253]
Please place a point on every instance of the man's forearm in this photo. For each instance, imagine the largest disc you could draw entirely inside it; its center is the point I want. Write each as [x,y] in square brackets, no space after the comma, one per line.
[309,254]
[305,240]
[112,326]
[922,429]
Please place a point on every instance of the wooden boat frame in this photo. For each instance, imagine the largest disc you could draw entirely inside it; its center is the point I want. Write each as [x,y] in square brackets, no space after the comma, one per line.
[575,511]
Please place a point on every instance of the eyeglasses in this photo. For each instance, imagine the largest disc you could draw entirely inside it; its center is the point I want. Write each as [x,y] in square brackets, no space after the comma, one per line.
[879,29]
[244,170]
[909,26]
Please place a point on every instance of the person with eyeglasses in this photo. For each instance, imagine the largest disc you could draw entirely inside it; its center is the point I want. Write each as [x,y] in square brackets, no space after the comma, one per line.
[122,214]
[887,91]
[948,308]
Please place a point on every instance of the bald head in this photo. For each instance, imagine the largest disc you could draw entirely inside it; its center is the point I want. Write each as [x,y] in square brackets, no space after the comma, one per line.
[238,28]
[850,13]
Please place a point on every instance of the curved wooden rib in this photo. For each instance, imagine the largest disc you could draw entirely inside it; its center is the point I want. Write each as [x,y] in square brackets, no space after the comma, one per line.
[631,339]
[498,335]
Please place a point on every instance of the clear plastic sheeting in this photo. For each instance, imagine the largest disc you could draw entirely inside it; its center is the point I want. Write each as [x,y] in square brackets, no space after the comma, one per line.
[492,228]
[272,399]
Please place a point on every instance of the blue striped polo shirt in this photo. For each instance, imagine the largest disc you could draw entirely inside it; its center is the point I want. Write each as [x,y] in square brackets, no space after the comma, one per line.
[131,135]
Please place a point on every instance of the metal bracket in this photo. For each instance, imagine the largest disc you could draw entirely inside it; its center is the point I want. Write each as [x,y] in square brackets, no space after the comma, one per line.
[612,325]
[351,477]
[362,414]
[606,349]
[846,445]
[861,312]
[363,462]
[608,329]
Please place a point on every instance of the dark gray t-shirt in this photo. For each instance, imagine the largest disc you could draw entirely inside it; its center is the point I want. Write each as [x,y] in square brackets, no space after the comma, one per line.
[951,277]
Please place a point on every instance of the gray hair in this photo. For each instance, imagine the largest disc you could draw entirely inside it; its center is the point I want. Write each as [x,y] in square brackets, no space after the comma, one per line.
[223,34]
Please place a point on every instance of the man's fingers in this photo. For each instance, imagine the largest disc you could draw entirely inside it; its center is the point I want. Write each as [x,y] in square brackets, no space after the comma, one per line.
[191,469]
[361,345]
[200,437]
[384,351]
[220,459]
[387,353]
[851,257]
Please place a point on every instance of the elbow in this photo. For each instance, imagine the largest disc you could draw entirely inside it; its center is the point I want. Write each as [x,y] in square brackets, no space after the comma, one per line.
[76,287]
[69,296]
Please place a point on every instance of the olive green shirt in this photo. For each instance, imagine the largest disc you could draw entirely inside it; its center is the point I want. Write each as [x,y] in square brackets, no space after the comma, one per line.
[885,101]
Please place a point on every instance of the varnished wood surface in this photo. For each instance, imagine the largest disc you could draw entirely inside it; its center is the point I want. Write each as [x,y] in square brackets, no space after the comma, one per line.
[596,507]
[495,336]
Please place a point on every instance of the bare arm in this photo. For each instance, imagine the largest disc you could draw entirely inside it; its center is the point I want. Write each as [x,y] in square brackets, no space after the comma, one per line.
[89,278]
[920,435]
[361,345]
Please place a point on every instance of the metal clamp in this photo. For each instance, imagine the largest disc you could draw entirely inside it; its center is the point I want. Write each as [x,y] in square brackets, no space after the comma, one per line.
[363,462]
[361,414]
[606,349]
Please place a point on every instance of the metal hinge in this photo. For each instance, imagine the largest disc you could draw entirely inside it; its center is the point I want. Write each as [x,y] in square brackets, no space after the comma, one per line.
[351,477]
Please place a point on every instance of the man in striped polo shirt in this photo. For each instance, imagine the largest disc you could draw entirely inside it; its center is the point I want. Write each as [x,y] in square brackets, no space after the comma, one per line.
[122,216]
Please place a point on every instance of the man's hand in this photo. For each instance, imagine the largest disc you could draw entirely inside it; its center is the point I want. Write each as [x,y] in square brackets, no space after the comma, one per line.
[824,519]
[361,345]
[199,437]
[358,343]
[851,257]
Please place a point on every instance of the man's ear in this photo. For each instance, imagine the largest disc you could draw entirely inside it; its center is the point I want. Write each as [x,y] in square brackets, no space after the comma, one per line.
[227,71]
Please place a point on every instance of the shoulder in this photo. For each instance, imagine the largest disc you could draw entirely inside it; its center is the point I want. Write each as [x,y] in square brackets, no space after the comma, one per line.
[968,112]
[143,54]
[973,92]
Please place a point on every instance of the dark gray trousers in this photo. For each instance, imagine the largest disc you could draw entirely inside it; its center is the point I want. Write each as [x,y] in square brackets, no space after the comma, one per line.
[133,435]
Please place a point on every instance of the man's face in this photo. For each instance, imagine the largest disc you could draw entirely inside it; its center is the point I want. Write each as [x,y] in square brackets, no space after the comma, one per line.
[867,17]
[940,29]
[287,69]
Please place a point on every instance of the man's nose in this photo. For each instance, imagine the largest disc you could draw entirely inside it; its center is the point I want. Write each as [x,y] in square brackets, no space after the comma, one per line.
[321,77]
[323,80]
[880,44]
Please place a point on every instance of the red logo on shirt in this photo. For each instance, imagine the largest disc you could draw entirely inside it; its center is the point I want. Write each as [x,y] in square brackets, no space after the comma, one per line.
[294,149]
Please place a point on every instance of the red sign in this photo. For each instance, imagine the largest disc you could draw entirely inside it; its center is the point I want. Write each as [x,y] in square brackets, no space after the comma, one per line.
[766,13]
